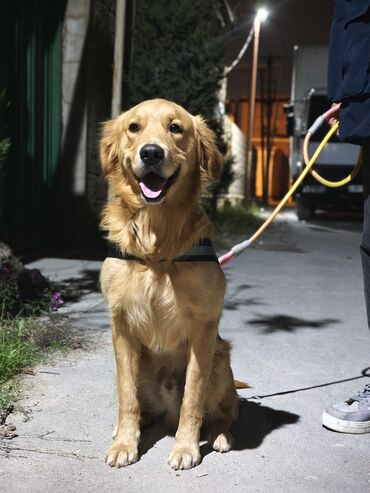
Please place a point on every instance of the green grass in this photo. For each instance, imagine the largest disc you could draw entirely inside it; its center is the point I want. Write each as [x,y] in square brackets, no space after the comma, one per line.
[16,351]
[29,327]
[18,348]
[233,224]
[6,401]
[24,342]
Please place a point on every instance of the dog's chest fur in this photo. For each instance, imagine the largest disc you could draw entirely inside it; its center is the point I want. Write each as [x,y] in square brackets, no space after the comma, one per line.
[164,303]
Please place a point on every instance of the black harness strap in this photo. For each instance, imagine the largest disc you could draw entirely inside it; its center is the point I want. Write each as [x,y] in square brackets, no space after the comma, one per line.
[202,252]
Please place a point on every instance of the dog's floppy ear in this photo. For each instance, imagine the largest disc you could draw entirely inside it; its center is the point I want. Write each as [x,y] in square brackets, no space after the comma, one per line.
[209,156]
[109,145]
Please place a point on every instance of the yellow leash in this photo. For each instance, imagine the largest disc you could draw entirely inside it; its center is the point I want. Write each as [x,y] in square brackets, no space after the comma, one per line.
[320,179]
[240,247]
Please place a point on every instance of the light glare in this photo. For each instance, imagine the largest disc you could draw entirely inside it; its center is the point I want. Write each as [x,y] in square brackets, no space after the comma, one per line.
[262,14]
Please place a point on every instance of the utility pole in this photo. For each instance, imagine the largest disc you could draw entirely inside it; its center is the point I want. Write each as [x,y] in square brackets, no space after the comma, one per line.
[269,128]
[248,185]
[119,40]
[263,157]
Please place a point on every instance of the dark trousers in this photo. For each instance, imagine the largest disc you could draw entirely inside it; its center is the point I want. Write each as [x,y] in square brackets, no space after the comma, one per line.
[365,247]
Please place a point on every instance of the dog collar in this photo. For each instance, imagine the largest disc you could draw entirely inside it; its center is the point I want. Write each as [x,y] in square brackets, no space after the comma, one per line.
[202,252]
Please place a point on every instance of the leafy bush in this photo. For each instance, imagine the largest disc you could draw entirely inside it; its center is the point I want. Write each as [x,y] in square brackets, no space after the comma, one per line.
[4,141]
[178,53]
[4,148]
[233,224]
[24,291]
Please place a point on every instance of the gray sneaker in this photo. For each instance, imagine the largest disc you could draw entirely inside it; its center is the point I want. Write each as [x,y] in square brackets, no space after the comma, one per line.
[350,416]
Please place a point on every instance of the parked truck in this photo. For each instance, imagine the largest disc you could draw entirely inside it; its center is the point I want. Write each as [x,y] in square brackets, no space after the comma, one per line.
[308,101]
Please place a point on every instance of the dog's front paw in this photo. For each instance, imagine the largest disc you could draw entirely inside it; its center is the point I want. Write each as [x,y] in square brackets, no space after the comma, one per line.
[115,432]
[120,455]
[184,457]
[221,442]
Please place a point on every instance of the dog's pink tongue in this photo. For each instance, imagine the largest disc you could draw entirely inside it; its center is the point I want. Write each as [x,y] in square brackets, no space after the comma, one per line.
[152,185]
[150,194]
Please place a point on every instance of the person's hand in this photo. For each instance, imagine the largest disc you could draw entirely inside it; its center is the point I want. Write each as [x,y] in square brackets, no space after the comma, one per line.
[333,116]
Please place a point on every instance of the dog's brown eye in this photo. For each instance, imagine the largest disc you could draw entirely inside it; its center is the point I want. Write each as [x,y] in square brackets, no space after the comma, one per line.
[175,129]
[134,127]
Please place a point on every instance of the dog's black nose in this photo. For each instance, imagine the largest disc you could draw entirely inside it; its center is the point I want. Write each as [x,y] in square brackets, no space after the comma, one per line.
[151,154]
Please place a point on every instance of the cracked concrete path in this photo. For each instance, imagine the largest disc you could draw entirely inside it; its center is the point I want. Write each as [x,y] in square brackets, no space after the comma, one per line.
[297,322]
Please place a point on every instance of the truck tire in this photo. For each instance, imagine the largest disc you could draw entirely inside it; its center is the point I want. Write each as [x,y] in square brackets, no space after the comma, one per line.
[304,211]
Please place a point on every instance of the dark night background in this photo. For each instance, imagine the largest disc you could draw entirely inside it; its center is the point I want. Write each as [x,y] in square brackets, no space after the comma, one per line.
[290,22]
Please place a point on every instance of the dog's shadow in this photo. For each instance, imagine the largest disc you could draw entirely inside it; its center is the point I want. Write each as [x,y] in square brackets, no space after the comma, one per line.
[254,423]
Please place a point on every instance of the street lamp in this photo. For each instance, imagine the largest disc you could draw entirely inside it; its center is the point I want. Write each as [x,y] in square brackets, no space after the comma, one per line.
[260,17]
[262,14]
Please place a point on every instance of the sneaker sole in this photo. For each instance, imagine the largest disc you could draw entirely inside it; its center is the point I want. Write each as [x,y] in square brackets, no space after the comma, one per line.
[344,426]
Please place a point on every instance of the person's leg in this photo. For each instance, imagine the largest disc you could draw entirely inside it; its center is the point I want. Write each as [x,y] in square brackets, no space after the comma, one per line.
[353,415]
[365,247]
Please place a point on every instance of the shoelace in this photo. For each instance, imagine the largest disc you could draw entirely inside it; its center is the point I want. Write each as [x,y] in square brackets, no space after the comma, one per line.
[365,394]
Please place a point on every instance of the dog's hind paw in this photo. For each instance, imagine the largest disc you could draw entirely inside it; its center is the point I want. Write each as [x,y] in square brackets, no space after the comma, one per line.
[120,455]
[221,442]
[184,457]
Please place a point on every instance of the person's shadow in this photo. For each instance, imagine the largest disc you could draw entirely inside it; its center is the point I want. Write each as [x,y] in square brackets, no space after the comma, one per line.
[254,423]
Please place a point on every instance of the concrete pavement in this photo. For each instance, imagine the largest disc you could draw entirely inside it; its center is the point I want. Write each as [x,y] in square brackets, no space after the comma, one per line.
[295,315]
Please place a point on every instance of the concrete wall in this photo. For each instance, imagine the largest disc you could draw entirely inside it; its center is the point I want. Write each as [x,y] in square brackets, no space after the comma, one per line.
[74,110]
[237,144]
[87,59]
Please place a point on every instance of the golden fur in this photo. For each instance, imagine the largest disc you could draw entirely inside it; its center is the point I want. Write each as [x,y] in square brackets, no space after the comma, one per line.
[170,359]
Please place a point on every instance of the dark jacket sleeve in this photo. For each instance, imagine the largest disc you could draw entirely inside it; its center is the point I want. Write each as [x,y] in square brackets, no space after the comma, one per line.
[349,68]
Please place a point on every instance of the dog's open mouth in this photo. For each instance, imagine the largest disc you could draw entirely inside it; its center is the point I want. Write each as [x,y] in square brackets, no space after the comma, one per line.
[154,187]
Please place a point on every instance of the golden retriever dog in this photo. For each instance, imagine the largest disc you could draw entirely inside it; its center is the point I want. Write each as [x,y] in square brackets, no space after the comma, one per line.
[165,313]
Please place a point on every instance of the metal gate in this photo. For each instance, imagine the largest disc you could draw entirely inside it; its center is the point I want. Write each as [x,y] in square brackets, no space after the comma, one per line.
[31,60]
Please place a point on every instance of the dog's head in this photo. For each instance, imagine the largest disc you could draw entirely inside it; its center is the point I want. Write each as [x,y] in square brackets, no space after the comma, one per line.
[157,151]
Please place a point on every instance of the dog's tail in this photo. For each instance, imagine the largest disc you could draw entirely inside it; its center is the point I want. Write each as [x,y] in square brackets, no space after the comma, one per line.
[241,385]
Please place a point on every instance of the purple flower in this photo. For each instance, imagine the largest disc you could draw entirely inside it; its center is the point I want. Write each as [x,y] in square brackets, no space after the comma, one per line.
[56,301]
